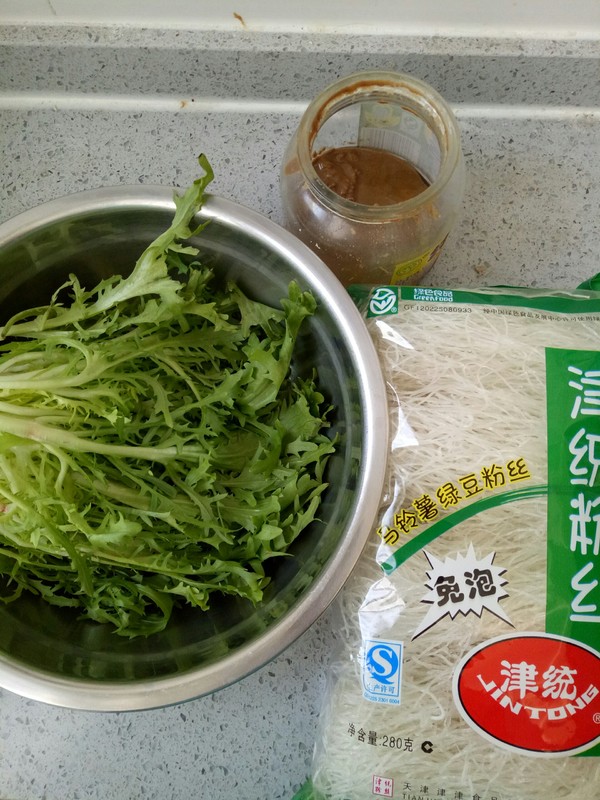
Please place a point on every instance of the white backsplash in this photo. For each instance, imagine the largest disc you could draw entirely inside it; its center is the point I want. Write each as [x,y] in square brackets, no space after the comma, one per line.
[522,18]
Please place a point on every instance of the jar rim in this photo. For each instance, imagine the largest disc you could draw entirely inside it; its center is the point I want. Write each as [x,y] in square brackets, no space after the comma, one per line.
[378,84]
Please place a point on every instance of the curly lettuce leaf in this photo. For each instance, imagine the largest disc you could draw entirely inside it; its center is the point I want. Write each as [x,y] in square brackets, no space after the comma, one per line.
[154,448]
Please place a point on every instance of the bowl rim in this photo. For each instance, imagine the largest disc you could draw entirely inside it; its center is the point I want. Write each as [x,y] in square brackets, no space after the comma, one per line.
[104,695]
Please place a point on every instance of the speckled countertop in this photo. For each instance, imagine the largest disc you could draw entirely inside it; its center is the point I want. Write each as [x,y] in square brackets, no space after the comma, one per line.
[88,107]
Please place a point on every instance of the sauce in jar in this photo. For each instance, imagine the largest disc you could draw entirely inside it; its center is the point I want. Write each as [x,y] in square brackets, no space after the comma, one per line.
[368,175]
[373,177]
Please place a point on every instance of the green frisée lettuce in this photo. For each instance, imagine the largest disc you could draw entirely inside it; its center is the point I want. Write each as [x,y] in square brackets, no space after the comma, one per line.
[154,448]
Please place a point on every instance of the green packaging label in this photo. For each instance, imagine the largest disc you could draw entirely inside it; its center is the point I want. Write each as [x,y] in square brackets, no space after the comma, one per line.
[573,566]
[573,403]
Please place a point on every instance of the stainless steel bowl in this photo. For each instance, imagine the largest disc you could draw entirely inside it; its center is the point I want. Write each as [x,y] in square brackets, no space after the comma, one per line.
[48,654]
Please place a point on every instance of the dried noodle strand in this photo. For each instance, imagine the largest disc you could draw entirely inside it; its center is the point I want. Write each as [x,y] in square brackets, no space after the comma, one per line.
[471,386]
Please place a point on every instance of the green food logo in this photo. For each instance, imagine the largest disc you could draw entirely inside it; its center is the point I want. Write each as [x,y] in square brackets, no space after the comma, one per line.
[384,300]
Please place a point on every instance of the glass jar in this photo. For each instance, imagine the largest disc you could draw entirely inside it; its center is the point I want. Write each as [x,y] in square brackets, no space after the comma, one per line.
[377,236]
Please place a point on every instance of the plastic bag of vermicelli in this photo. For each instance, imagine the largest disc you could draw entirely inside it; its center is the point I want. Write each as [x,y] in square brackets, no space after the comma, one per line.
[469,663]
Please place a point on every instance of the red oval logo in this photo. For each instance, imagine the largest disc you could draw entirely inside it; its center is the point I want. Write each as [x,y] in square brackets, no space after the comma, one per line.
[533,692]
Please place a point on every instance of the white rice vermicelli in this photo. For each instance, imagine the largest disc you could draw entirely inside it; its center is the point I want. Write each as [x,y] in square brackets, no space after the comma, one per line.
[467,390]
